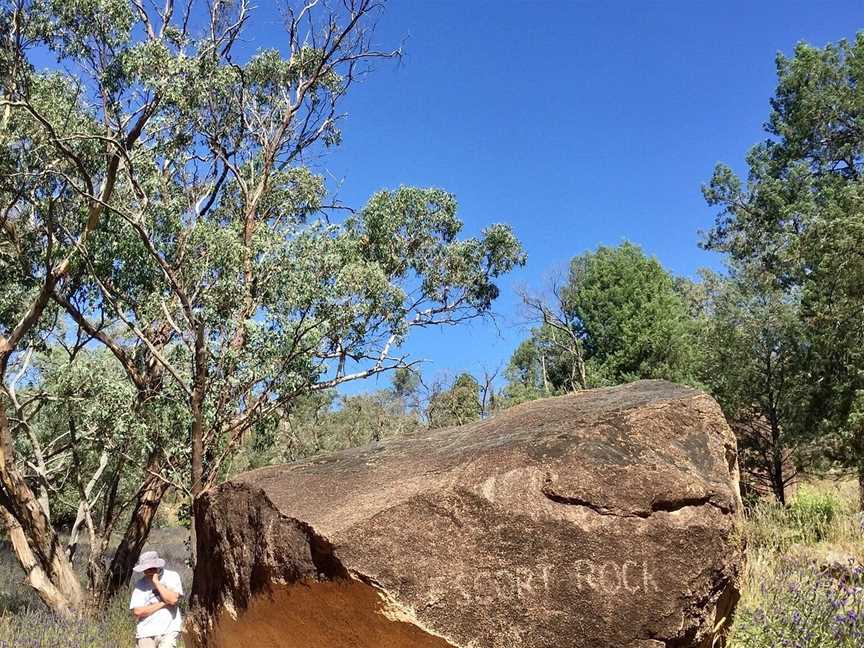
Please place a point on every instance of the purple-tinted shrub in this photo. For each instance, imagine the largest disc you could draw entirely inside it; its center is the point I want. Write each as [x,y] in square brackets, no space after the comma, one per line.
[802,606]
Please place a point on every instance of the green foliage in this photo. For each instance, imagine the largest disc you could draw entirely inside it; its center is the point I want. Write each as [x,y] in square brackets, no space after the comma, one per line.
[622,313]
[813,512]
[811,516]
[456,405]
[412,233]
[634,323]
[405,382]
[755,362]
[82,410]
[542,365]
[525,373]
[325,422]
[217,268]
[406,390]
[798,217]
[802,581]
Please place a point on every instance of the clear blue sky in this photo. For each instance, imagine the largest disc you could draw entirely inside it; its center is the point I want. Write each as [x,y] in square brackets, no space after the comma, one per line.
[579,123]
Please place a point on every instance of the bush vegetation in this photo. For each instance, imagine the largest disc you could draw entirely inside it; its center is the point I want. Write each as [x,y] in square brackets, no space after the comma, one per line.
[803,583]
[173,333]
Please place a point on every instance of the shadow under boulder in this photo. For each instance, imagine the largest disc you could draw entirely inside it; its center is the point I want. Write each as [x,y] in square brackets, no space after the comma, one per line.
[597,519]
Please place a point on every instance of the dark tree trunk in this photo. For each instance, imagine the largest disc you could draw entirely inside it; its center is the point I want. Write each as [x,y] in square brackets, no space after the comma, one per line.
[778,483]
[146,505]
[197,406]
[197,449]
[197,432]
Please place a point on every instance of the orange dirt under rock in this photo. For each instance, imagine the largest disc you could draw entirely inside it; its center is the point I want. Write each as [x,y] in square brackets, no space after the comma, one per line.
[330,614]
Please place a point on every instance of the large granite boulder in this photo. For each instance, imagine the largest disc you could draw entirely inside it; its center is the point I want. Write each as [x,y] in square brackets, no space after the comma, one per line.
[600,519]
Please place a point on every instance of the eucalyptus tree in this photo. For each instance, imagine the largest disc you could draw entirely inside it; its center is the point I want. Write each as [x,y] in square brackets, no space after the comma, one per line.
[557,343]
[526,374]
[323,422]
[157,193]
[551,360]
[798,215]
[548,362]
[456,404]
[57,179]
[83,439]
[406,389]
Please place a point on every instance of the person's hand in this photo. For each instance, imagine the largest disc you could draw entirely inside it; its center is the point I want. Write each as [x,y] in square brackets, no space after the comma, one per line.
[154,578]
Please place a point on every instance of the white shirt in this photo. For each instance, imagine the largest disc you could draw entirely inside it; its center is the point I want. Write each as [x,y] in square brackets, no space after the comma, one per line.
[162,621]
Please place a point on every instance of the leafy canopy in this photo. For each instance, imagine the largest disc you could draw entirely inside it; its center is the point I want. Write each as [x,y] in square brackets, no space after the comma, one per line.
[798,217]
[157,194]
[630,315]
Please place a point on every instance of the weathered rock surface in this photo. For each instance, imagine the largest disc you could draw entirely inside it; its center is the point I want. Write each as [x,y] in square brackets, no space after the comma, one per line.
[595,520]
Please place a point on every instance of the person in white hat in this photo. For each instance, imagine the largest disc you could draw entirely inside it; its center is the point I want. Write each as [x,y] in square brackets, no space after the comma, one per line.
[154,603]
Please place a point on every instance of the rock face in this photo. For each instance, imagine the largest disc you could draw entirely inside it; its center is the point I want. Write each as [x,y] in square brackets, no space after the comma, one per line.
[600,519]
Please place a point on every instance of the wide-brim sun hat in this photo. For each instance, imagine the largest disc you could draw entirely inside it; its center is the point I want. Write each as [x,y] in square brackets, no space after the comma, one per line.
[148,560]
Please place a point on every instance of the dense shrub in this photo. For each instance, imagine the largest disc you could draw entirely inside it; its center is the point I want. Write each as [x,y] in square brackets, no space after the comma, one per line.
[804,607]
[803,584]
[813,512]
[813,515]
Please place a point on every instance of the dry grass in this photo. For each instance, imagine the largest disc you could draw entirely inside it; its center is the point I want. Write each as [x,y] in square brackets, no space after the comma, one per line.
[803,585]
